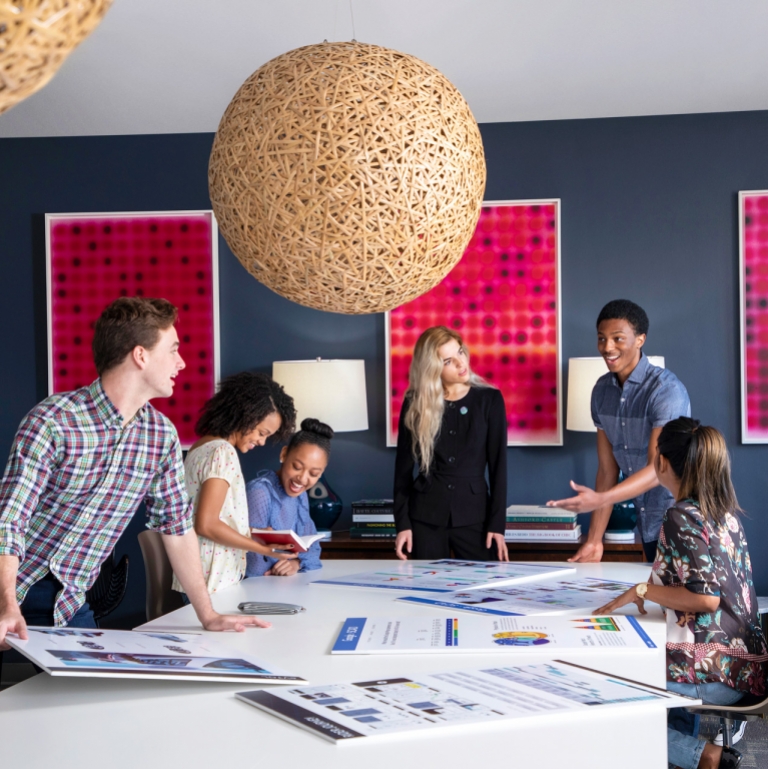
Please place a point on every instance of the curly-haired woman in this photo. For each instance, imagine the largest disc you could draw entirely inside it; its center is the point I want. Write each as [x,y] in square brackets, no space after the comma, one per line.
[246,411]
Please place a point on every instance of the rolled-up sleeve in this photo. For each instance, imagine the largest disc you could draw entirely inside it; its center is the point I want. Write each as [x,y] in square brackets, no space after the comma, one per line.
[31,461]
[593,404]
[670,401]
[169,508]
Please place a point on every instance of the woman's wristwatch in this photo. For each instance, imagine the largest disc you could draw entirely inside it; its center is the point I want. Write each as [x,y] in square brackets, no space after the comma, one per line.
[641,589]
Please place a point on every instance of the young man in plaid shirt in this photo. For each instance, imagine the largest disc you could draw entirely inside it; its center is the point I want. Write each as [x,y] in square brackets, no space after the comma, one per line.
[81,464]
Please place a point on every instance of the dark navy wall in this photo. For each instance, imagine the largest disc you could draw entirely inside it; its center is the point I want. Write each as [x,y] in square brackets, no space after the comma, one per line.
[648,213]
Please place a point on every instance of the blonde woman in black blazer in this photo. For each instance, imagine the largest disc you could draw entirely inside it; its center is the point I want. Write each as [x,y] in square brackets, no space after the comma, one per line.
[452,427]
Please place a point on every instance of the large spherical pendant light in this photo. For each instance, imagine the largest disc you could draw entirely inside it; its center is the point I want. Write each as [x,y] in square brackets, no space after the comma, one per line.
[347,177]
[35,38]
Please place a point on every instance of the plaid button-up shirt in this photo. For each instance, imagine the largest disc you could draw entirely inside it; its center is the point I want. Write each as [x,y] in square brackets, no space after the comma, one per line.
[74,479]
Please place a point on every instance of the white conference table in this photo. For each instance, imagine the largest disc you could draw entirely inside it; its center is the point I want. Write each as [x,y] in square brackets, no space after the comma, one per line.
[71,722]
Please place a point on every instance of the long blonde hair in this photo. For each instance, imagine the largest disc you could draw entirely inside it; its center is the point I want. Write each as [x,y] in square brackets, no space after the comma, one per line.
[425,388]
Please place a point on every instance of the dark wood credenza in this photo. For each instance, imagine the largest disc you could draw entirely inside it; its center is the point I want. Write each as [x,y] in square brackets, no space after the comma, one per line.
[342,546]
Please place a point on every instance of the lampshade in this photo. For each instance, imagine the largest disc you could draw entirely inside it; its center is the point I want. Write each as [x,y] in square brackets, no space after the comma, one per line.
[582,375]
[347,177]
[35,38]
[332,391]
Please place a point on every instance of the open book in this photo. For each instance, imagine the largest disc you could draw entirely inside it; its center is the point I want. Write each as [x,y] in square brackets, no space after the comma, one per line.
[286,537]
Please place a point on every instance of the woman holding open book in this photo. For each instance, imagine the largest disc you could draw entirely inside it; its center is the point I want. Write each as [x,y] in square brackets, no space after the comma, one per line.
[452,427]
[702,574]
[246,411]
[279,500]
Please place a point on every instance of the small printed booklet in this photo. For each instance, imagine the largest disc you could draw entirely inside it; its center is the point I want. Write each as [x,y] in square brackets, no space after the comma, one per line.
[143,654]
[288,537]
[447,575]
[552,597]
[401,705]
[472,634]
[543,535]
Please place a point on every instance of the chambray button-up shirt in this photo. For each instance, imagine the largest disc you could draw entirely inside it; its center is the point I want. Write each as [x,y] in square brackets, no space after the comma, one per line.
[74,478]
[269,505]
[650,398]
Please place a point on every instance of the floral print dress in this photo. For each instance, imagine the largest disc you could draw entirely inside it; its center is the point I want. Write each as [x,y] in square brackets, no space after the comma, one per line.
[727,645]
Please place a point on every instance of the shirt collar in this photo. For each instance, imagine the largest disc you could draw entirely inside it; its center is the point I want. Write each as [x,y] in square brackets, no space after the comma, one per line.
[106,409]
[638,373]
[277,484]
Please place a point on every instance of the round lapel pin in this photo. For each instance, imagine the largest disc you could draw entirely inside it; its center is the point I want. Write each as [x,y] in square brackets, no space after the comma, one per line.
[463,410]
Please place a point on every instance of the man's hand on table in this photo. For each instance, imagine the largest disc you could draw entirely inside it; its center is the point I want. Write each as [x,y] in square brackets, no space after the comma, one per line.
[11,621]
[228,622]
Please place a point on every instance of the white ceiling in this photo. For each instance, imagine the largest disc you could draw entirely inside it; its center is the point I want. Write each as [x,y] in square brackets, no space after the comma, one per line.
[171,66]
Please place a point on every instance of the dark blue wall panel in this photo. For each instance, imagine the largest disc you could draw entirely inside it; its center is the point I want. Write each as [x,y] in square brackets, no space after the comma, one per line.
[648,213]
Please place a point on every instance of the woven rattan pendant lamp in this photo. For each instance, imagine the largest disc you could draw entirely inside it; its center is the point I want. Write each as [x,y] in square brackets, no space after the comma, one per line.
[35,38]
[347,177]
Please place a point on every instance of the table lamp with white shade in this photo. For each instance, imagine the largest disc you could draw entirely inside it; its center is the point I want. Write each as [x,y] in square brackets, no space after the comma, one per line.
[332,391]
[583,373]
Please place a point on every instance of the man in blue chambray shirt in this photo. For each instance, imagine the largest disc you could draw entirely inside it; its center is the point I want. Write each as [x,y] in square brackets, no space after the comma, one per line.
[630,405]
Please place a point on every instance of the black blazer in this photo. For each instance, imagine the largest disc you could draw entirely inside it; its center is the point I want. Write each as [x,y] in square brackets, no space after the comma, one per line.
[473,434]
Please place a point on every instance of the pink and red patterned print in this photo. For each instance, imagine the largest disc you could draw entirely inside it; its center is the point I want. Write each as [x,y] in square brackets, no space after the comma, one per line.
[755,279]
[502,297]
[95,259]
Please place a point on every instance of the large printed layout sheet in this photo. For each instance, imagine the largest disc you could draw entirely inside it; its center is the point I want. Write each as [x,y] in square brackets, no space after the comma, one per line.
[395,706]
[143,654]
[436,635]
[553,597]
[447,575]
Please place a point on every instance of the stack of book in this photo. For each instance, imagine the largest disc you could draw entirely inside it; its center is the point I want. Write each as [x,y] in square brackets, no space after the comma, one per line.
[373,519]
[537,523]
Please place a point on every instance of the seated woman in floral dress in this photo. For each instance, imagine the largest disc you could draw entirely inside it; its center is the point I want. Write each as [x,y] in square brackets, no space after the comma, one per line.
[702,574]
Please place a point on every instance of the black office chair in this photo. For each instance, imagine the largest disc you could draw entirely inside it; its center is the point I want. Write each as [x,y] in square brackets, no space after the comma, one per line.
[109,588]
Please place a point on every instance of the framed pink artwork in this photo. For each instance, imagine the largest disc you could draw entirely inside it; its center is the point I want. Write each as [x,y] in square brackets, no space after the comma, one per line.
[753,262]
[92,259]
[503,297]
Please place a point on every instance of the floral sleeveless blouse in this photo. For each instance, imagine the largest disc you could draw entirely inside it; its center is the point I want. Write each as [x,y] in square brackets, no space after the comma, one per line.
[727,645]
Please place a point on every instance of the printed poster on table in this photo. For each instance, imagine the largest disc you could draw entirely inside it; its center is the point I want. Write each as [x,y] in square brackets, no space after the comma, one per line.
[472,634]
[553,597]
[143,654]
[349,712]
[447,575]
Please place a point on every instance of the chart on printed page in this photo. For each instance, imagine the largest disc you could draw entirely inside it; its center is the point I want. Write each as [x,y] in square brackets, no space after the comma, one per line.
[446,575]
[551,597]
[143,654]
[346,712]
[472,634]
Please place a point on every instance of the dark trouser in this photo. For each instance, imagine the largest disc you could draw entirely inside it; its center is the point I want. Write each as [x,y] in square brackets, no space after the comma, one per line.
[466,542]
[649,549]
[37,608]
[683,721]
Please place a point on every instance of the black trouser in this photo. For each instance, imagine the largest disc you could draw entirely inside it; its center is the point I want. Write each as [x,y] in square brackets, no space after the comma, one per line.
[649,548]
[466,542]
